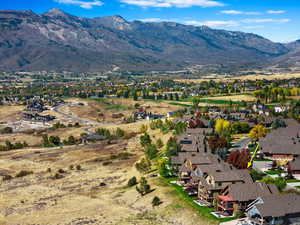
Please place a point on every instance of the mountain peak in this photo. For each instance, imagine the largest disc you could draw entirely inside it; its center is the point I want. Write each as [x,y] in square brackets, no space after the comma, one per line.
[55,12]
[117,22]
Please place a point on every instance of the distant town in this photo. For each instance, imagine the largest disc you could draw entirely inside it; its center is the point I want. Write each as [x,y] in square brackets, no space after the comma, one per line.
[117,148]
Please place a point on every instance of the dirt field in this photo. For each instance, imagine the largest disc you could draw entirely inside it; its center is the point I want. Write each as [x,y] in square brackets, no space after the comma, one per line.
[96,194]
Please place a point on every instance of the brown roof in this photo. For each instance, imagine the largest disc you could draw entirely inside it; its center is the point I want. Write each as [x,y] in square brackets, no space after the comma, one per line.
[214,167]
[249,192]
[196,158]
[222,178]
[232,175]
[279,205]
[283,140]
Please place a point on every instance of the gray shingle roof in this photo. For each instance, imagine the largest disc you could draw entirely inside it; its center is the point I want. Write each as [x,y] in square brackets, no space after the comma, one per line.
[233,175]
[248,192]
[283,140]
[279,205]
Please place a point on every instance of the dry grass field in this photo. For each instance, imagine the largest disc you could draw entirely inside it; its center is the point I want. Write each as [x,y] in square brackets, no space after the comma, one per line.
[102,111]
[95,194]
[10,113]
[31,139]
[246,98]
[217,78]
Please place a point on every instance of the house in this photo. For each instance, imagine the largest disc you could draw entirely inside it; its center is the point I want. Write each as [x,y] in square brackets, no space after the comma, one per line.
[200,171]
[211,186]
[275,210]
[239,196]
[35,116]
[36,106]
[191,158]
[282,143]
[280,109]
[260,109]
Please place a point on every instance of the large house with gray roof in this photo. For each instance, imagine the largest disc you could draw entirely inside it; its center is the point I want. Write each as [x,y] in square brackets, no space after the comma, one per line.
[275,210]
[238,196]
[282,143]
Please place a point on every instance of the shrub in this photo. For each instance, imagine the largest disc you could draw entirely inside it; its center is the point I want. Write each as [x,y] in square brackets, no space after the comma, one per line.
[238,214]
[132,181]
[145,139]
[78,167]
[143,166]
[61,171]
[103,132]
[6,130]
[23,173]
[143,187]
[106,163]
[279,182]
[156,201]
[7,177]
[151,151]
[71,167]
[256,175]
[58,176]
[159,143]
[120,132]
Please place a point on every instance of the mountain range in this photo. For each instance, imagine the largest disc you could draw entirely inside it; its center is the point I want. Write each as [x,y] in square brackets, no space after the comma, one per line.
[58,41]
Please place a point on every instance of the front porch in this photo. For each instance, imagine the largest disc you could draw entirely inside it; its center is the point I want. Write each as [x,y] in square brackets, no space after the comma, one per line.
[226,204]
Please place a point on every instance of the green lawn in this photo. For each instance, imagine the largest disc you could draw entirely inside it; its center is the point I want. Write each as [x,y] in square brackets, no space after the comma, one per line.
[274,172]
[298,187]
[293,181]
[204,211]
[262,160]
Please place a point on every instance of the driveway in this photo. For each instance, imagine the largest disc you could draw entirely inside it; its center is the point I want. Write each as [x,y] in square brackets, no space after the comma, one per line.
[262,165]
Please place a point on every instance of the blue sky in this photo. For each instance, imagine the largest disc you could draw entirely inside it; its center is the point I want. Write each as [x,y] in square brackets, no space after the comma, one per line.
[278,20]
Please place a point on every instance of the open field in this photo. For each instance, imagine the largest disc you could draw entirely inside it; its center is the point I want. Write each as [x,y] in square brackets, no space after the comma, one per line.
[101,110]
[246,98]
[280,76]
[95,194]
[31,139]
[10,113]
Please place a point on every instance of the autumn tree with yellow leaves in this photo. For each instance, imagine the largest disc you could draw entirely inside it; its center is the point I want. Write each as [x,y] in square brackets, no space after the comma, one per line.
[258,132]
[222,127]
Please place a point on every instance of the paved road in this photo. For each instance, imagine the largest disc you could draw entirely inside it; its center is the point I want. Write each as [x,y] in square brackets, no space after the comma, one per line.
[241,144]
[73,118]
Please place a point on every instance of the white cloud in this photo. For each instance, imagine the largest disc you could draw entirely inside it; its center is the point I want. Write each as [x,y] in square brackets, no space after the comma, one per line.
[254,27]
[235,23]
[214,23]
[275,11]
[82,4]
[237,12]
[173,3]
[268,20]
